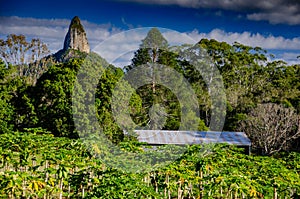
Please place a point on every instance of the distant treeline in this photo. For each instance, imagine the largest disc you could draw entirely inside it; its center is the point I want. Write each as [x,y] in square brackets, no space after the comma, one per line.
[262,96]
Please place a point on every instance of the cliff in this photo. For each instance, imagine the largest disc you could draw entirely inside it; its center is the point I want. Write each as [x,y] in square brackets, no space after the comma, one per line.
[76,37]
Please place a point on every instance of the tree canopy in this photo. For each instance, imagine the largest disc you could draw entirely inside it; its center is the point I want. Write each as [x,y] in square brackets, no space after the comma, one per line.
[250,80]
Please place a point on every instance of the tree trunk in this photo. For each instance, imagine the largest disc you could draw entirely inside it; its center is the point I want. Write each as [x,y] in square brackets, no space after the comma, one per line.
[275,193]
[201,185]
[61,188]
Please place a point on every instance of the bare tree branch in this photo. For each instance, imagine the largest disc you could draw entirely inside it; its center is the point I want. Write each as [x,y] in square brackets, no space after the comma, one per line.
[26,56]
[271,127]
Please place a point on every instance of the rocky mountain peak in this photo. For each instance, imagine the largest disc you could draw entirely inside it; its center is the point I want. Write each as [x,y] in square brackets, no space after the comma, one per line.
[76,37]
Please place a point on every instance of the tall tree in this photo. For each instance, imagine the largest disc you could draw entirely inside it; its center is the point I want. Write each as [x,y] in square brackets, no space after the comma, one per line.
[272,127]
[25,55]
[244,76]
[53,98]
[154,42]
[161,108]
[6,107]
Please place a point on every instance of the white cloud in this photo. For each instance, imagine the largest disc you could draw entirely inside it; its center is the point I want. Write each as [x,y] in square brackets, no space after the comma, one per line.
[53,31]
[286,49]
[274,11]
[177,38]
[250,39]
[276,18]
[271,43]
[289,57]
[118,47]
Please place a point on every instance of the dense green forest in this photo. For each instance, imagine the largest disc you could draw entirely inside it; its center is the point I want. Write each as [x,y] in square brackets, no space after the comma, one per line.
[42,157]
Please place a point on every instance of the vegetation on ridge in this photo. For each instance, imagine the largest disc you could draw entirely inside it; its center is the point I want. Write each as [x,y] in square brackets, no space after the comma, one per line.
[41,157]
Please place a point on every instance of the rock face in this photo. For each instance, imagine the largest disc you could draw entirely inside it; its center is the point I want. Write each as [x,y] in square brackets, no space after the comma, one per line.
[76,37]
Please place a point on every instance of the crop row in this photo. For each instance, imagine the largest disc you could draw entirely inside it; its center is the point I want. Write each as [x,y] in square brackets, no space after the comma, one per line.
[42,166]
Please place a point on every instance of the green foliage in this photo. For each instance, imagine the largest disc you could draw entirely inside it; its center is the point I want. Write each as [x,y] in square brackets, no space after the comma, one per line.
[64,56]
[34,165]
[154,40]
[24,55]
[6,108]
[250,79]
[10,84]
[103,96]
[75,23]
[53,95]
[42,163]
[153,55]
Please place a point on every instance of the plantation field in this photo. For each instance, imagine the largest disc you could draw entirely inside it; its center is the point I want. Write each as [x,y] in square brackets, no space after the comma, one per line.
[43,166]
[49,101]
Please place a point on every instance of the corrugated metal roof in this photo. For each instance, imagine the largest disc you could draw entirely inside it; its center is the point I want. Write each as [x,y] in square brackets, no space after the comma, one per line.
[157,137]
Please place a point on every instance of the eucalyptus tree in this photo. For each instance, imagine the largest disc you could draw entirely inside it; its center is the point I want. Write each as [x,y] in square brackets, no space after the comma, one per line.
[149,52]
[244,76]
[157,62]
[27,56]
[148,55]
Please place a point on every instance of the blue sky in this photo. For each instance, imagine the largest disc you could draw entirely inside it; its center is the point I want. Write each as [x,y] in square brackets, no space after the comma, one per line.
[271,24]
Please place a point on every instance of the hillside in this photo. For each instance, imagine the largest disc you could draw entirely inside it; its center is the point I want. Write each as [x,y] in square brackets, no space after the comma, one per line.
[70,133]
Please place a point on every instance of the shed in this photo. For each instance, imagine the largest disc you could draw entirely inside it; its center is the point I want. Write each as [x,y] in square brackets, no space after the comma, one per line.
[162,137]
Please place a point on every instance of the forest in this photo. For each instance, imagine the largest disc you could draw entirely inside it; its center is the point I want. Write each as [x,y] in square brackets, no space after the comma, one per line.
[42,155]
